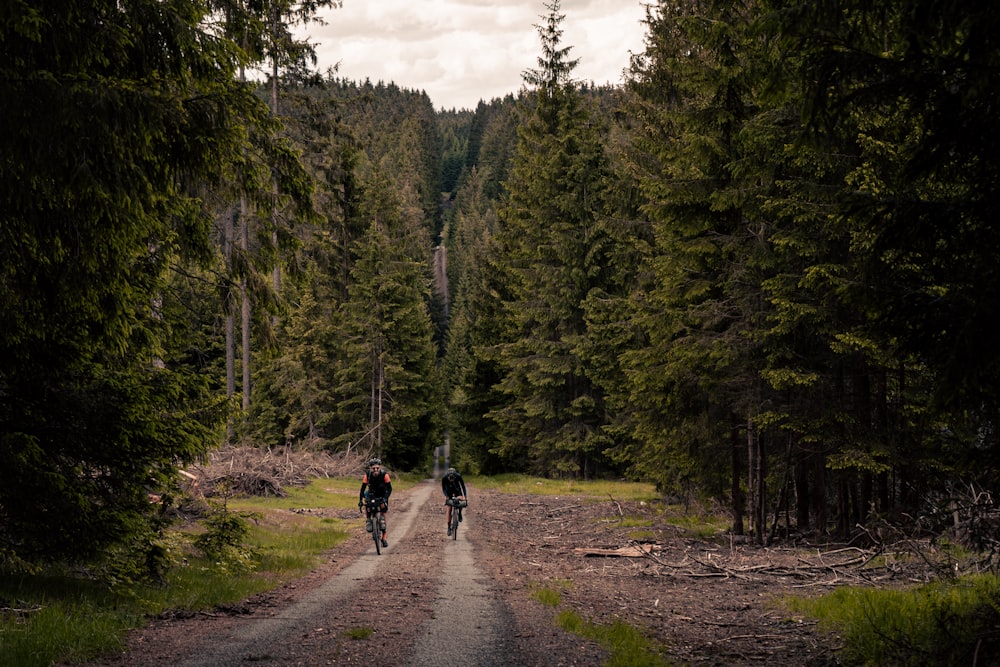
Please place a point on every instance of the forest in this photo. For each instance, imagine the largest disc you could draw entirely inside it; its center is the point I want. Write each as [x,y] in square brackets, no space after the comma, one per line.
[761,272]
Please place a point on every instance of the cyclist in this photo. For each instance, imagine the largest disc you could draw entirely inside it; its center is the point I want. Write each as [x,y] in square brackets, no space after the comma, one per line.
[376,484]
[453,486]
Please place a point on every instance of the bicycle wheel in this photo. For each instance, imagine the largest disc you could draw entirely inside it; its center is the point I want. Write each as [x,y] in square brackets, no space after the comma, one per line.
[377,534]
[454,523]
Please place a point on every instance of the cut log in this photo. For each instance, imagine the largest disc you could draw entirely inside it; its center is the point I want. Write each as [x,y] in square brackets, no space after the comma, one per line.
[629,551]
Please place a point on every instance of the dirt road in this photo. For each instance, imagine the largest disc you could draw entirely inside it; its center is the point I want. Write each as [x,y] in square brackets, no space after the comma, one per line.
[424,601]
[430,600]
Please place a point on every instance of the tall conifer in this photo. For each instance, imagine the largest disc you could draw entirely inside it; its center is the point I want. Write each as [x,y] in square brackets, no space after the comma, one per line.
[549,224]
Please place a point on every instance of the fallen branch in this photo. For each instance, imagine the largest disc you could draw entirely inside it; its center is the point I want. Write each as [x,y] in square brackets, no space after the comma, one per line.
[629,551]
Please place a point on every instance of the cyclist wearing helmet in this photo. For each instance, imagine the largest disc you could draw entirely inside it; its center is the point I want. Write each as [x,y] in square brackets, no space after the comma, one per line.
[453,486]
[376,483]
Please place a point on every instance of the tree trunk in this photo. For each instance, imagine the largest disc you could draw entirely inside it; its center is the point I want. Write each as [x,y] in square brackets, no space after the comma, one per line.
[245,298]
[756,484]
[819,492]
[803,499]
[276,272]
[761,519]
[377,392]
[737,499]
[228,307]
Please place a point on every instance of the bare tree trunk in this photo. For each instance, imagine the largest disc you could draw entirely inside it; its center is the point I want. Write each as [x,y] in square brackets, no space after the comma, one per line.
[244,241]
[276,272]
[751,482]
[378,390]
[736,476]
[245,297]
[758,491]
[819,492]
[381,394]
[803,499]
[441,276]
[761,490]
[228,306]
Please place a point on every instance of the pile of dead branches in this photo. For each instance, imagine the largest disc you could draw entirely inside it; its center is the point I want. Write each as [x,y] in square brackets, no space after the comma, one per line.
[259,471]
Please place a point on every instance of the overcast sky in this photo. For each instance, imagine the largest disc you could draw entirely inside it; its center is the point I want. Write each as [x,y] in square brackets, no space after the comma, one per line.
[463,51]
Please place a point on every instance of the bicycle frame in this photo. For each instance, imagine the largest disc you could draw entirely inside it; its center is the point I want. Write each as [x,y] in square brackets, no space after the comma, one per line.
[456,508]
[372,512]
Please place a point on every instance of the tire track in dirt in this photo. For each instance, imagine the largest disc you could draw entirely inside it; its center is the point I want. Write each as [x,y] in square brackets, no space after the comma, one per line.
[470,626]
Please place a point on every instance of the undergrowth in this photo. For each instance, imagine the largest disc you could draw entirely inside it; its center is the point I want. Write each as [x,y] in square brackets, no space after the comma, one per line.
[954,622]
[627,646]
[56,615]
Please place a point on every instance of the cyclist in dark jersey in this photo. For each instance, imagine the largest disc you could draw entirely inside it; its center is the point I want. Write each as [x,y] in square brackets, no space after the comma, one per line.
[376,484]
[453,486]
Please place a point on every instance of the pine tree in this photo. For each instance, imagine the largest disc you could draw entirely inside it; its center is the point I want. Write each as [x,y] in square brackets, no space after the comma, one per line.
[698,395]
[386,386]
[548,242]
[112,133]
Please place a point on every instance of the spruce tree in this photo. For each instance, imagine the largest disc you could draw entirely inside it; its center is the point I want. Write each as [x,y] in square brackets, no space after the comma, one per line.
[553,414]
[697,390]
[117,115]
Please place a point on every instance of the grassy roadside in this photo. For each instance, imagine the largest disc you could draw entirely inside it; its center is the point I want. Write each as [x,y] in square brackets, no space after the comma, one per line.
[596,489]
[948,622]
[58,615]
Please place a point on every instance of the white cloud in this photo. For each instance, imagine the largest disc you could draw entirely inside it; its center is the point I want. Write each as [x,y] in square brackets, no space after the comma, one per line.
[462,51]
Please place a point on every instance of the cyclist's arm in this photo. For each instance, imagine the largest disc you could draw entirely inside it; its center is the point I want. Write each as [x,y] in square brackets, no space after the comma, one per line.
[388,486]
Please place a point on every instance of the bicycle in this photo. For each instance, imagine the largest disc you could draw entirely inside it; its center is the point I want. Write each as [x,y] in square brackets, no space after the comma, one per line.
[457,504]
[371,509]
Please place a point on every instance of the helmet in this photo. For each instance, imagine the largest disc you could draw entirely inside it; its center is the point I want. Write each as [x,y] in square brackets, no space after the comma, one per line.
[375,462]
[451,472]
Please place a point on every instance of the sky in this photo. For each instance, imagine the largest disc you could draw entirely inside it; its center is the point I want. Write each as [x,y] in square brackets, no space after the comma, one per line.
[462,51]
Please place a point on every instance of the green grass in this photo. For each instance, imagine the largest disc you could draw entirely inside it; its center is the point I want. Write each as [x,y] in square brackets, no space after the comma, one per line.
[335,493]
[551,594]
[359,633]
[75,632]
[945,623]
[78,619]
[598,489]
[697,523]
[627,646]
[700,525]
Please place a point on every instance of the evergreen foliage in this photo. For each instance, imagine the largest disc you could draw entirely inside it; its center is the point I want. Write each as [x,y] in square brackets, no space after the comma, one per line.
[550,239]
[118,115]
[761,271]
